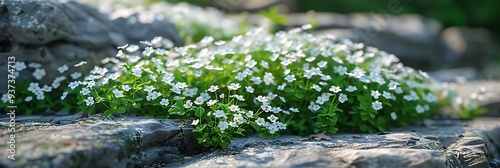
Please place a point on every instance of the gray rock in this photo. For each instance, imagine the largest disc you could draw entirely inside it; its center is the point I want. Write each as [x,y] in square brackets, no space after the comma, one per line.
[445,149]
[58,32]
[116,142]
[465,46]
[413,38]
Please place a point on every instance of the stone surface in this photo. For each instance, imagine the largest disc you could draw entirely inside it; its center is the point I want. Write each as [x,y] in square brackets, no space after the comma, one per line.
[58,32]
[95,142]
[440,144]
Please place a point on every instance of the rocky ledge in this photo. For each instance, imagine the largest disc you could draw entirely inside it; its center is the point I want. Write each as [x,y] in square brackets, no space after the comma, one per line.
[139,142]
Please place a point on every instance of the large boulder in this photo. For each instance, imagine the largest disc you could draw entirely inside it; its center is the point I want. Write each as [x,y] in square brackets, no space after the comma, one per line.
[56,32]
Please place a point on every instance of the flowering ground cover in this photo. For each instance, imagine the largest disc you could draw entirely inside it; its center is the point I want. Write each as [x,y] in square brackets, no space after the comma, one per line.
[289,82]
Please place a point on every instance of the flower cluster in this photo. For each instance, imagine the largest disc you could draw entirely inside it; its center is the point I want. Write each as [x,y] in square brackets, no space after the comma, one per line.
[287,82]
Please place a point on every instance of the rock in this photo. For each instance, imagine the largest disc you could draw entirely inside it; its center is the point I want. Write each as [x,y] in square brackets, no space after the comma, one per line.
[103,142]
[56,32]
[369,150]
[413,38]
[284,6]
[459,75]
[465,46]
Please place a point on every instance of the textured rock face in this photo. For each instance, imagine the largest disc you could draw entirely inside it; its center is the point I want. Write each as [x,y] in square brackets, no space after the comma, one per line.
[57,32]
[117,142]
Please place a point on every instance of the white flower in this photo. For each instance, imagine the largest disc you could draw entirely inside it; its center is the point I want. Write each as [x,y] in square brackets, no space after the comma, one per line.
[85,91]
[239,118]
[153,95]
[316,87]
[261,99]
[233,124]
[233,86]
[341,70]
[377,105]
[335,89]
[29,98]
[357,73]
[181,85]
[342,98]
[5,98]
[430,98]
[295,110]
[250,113]
[149,88]
[420,109]
[80,63]
[392,85]
[118,93]
[63,95]
[394,116]
[34,65]
[223,125]
[195,122]
[322,64]
[62,69]
[268,78]
[89,101]
[137,72]
[282,86]
[20,66]
[73,85]
[188,104]
[221,95]
[313,107]
[220,114]
[351,88]
[126,87]
[234,108]
[256,80]
[398,90]
[249,89]
[213,88]
[375,94]
[190,92]
[290,78]
[260,121]
[168,78]
[211,102]
[164,102]
[39,73]
[387,95]
[272,118]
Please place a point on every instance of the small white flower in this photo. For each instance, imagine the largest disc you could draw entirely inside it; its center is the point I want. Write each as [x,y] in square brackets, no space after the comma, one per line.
[63,95]
[233,86]
[239,118]
[29,98]
[316,87]
[195,122]
[256,80]
[351,88]
[39,73]
[261,99]
[221,95]
[260,121]
[153,95]
[420,109]
[89,101]
[249,89]
[387,95]
[181,85]
[137,72]
[342,98]
[375,94]
[20,66]
[377,105]
[188,104]
[213,88]
[268,78]
[220,114]
[392,85]
[398,90]
[211,102]
[73,85]
[250,113]
[290,78]
[357,73]
[80,63]
[341,70]
[295,110]
[149,88]
[34,65]
[234,108]
[313,106]
[272,118]
[322,64]
[118,93]
[394,116]
[223,125]
[126,87]
[233,124]
[335,89]
[85,91]
[164,102]
[62,69]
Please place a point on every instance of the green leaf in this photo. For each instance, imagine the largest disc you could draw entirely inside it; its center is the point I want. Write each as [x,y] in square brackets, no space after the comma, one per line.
[199,111]
[108,112]
[121,110]
[113,105]
[299,95]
